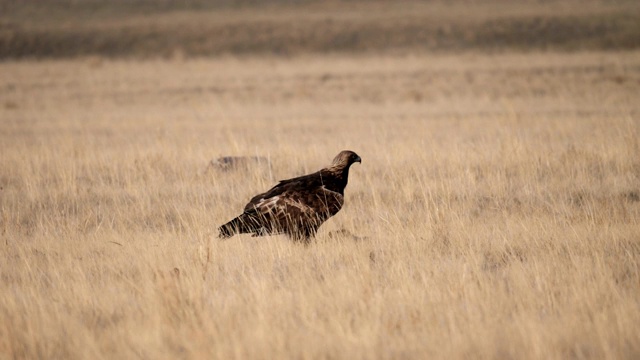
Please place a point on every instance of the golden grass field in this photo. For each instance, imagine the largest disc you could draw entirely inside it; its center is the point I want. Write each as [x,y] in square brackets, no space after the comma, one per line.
[495,215]
[496,210]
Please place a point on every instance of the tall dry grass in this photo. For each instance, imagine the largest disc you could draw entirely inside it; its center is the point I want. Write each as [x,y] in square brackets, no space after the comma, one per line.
[497,207]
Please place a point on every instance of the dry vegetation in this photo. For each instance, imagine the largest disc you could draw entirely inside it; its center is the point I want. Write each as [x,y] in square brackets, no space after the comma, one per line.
[498,205]
[496,213]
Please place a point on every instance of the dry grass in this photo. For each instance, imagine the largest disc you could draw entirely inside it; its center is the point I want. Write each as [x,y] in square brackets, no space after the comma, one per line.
[498,201]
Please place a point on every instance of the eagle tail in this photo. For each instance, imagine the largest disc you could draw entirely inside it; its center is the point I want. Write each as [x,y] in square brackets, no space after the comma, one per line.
[239,225]
[229,229]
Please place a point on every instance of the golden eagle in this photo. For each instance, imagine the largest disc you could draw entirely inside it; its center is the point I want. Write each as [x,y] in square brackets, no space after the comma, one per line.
[296,207]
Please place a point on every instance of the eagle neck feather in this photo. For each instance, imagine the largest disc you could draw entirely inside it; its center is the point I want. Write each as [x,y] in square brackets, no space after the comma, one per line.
[335,178]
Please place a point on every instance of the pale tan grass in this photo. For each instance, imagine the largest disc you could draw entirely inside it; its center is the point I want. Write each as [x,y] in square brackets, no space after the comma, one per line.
[498,201]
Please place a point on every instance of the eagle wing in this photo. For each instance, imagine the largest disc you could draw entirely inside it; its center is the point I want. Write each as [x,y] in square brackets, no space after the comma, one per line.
[295,185]
[304,201]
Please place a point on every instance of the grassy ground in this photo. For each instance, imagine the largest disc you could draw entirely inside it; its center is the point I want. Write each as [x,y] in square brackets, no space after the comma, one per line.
[497,205]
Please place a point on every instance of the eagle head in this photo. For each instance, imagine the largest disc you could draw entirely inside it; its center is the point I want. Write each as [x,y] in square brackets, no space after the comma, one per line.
[345,158]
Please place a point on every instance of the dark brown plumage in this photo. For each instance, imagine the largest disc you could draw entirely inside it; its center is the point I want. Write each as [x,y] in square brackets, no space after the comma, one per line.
[296,207]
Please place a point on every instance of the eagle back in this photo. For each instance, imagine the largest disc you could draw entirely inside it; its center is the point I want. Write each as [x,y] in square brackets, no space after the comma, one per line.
[320,192]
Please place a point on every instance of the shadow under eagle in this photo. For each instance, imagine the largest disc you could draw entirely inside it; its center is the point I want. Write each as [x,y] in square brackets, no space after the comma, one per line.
[296,207]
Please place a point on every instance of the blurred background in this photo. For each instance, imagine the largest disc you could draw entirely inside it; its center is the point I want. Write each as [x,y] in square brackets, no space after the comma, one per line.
[162,28]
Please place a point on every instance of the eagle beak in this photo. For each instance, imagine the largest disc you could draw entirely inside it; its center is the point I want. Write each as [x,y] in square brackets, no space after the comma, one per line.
[358,160]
